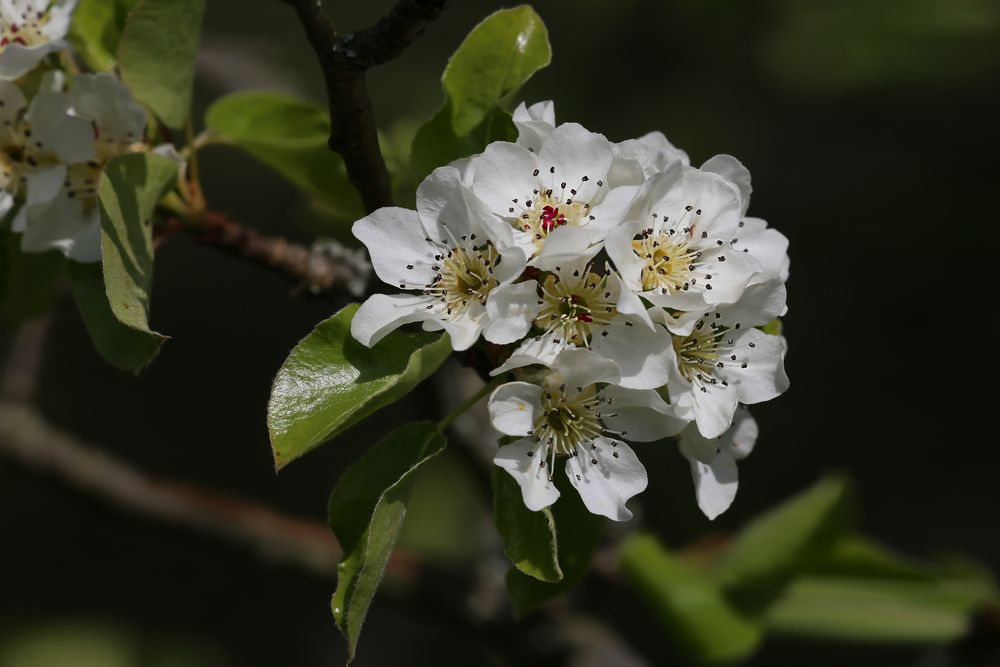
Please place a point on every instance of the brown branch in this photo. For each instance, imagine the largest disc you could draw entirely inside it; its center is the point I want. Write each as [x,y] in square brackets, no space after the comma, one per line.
[344,61]
[26,437]
[321,268]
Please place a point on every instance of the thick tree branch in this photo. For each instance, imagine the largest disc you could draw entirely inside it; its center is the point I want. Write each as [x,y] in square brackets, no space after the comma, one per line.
[344,60]
[326,266]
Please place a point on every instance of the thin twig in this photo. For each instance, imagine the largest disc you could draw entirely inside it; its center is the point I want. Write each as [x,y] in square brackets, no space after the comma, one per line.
[26,437]
[327,266]
[344,61]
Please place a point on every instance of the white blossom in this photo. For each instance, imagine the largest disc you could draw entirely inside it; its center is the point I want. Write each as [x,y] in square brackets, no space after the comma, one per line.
[577,306]
[676,249]
[70,220]
[453,252]
[557,198]
[581,416]
[713,461]
[720,359]
[535,123]
[29,31]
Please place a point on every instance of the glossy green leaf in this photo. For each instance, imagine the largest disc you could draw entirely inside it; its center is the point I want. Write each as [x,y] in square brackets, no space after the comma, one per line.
[330,382]
[157,54]
[869,609]
[367,508]
[529,538]
[290,136]
[692,609]
[115,301]
[781,542]
[577,535]
[96,30]
[496,58]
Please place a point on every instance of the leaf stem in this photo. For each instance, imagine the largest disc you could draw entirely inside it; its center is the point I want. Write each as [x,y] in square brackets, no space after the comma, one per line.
[461,409]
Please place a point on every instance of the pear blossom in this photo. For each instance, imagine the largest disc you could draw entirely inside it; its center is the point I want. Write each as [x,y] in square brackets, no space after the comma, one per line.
[638,159]
[452,251]
[580,415]
[557,198]
[720,359]
[29,31]
[676,249]
[577,306]
[69,220]
[713,461]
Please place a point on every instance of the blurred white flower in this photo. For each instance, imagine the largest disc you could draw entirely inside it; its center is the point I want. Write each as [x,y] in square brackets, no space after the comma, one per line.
[29,31]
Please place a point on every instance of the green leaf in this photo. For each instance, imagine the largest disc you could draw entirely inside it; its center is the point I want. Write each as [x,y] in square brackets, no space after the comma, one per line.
[529,538]
[496,58]
[330,382]
[367,507]
[290,136]
[577,535]
[692,609]
[96,30]
[157,55]
[783,541]
[115,301]
[867,609]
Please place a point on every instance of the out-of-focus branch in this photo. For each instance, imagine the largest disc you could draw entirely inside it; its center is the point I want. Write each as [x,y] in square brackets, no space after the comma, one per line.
[344,60]
[27,438]
[326,266]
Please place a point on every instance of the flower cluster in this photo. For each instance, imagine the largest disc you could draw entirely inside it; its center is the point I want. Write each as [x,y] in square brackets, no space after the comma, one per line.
[56,142]
[624,288]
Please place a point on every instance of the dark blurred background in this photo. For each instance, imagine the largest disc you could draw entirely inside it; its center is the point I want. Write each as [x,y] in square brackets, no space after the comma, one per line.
[870,129]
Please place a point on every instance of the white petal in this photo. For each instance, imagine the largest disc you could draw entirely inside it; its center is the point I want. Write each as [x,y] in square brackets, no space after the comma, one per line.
[524,461]
[514,407]
[17,59]
[465,328]
[534,123]
[628,302]
[619,248]
[742,435]
[764,377]
[580,367]
[612,212]
[396,240]
[103,99]
[713,408]
[697,447]
[382,314]
[511,309]
[640,415]
[715,483]
[733,171]
[574,153]
[70,138]
[65,225]
[13,100]
[642,355]
[566,245]
[504,173]
[767,246]
[606,475]
[759,304]
[45,184]
[60,14]
[535,350]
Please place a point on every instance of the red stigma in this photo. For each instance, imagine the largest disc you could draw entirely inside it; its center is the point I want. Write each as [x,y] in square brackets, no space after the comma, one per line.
[585,317]
[551,217]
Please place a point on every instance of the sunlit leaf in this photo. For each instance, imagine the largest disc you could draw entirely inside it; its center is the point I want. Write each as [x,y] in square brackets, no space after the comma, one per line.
[496,58]
[330,382]
[96,30]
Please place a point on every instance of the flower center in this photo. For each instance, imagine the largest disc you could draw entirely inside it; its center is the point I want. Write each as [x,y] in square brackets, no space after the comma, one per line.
[27,32]
[566,423]
[20,154]
[574,306]
[696,354]
[549,211]
[669,261]
[464,276]
[81,182]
